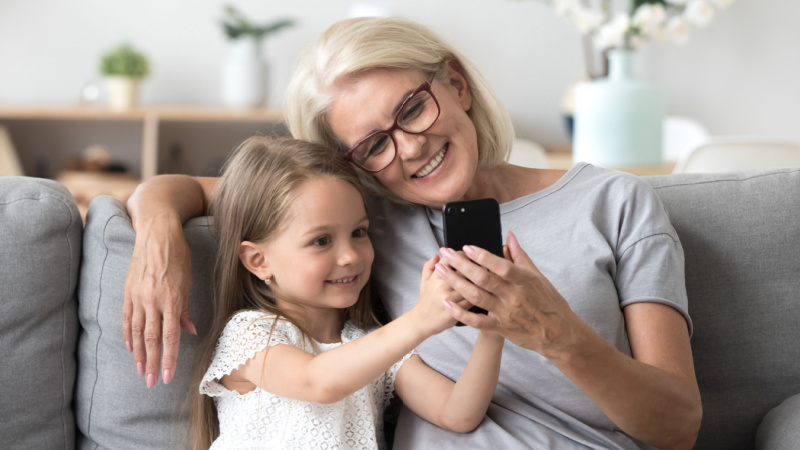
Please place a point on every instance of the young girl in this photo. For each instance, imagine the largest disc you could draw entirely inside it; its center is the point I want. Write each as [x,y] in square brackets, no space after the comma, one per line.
[290,362]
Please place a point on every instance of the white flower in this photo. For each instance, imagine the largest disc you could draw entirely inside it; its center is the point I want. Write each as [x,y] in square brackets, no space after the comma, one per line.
[722,4]
[649,18]
[612,34]
[678,30]
[586,19]
[677,2]
[698,12]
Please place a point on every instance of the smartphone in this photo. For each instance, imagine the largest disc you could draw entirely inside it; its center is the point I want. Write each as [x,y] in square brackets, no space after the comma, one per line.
[473,222]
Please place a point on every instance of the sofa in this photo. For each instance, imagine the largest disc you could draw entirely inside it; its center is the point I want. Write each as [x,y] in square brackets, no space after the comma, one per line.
[71,383]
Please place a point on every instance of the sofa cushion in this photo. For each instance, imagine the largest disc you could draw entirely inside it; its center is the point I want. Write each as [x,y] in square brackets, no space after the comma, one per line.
[40,251]
[780,429]
[114,408]
[741,237]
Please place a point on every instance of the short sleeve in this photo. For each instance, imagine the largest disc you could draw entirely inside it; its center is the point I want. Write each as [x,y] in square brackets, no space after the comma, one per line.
[391,375]
[245,334]
[650,260]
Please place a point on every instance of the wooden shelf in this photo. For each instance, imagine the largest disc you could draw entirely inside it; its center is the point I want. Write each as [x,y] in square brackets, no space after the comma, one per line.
[151,117]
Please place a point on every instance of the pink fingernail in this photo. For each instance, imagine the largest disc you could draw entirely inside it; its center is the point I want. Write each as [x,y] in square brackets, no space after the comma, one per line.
[130,348]
[447,304]
[194,330]
[440,268]
[469,250]
[140,369]
[167,376]
[446,252]
[151,380]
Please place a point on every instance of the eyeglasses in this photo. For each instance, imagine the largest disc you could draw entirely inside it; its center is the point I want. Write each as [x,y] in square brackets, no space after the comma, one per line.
[417,114]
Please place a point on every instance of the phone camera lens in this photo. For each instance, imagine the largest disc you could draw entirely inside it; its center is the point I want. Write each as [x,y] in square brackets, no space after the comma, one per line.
[451,210]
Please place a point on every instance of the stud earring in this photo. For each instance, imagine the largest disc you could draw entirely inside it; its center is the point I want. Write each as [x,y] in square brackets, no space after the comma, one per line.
[268,281]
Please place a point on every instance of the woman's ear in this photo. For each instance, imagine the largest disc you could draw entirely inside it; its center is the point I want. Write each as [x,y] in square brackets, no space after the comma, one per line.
[254,258]
[455,74]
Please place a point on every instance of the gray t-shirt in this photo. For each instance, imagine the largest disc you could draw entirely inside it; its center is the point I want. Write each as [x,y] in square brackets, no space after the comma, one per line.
[603,239]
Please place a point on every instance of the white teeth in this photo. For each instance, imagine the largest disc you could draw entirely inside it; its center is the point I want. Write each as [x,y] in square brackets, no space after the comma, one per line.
[433,164]
[344,280]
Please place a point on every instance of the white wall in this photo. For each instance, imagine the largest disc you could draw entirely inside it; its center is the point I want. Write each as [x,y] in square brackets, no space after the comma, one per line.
[738,76]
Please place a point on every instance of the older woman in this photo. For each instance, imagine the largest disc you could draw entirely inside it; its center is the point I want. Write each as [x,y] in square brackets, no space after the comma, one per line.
[591,290]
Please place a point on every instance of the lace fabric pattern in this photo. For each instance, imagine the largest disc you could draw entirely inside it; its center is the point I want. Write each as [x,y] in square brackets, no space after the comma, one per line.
[260,419]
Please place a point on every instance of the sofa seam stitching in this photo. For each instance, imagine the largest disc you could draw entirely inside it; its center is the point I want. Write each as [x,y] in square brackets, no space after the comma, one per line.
[728,180]
[99,337]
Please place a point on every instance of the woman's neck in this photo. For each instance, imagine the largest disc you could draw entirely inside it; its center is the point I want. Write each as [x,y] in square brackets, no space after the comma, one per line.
[506,182]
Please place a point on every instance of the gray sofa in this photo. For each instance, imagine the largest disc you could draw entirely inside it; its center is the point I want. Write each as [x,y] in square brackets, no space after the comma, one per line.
[70,382]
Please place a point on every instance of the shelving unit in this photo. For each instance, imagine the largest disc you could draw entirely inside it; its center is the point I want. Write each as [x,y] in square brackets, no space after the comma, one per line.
[150,117]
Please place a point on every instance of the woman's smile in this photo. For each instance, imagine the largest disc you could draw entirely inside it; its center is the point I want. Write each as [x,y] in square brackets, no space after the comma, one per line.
[434,164]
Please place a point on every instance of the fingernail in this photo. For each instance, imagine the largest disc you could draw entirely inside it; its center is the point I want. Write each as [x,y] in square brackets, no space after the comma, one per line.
[447,304]
[140,369]
[130,348]
[469,250]
[440,268]
[194,330]
[446,252]
[167,376]
[151,380]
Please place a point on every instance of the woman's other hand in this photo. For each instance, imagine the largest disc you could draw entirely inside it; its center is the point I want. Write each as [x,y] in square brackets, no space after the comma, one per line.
[156,303]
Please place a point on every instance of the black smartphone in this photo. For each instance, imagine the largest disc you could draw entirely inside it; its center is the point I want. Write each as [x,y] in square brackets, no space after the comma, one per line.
[473,222]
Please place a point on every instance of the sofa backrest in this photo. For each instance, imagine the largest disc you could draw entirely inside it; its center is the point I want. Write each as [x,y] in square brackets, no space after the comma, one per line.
[40,250]
[741,237]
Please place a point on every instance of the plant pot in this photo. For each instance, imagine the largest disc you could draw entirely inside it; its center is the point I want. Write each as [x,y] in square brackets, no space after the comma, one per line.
[123,92]
[618,120]
[244,74]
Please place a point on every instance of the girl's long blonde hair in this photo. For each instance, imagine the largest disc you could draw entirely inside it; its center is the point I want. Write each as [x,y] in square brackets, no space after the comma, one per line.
[253,198]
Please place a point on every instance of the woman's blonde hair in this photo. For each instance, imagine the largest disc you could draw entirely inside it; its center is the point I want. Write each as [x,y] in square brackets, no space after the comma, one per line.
[353,46]
[252,202]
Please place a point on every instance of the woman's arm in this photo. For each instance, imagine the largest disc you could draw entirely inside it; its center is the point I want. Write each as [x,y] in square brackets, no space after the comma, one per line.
[156,301]
[652,397]
[459,406]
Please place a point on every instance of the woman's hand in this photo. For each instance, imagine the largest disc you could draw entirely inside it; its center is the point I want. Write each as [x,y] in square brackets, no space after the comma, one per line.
[156,303]
[430,310]
[523,305]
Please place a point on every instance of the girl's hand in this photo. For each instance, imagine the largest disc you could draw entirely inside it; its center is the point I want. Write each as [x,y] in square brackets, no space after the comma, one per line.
[433,292]
[523,306]
[156,304]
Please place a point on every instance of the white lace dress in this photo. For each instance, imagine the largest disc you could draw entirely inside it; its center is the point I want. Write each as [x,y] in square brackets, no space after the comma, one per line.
[259,419]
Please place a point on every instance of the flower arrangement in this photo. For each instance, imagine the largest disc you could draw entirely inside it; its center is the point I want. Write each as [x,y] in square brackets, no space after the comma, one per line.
[644,21]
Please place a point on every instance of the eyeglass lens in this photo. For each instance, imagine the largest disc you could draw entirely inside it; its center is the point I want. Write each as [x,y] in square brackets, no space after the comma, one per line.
[417,115]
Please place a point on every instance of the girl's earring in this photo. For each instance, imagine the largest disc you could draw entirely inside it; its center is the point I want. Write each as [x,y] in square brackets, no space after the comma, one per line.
[268,281]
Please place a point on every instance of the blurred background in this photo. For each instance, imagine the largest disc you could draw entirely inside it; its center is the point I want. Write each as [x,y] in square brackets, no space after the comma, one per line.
[738,75]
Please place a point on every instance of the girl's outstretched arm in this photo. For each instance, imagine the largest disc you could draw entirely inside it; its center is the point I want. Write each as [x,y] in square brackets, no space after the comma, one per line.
[459,406]
[333,375]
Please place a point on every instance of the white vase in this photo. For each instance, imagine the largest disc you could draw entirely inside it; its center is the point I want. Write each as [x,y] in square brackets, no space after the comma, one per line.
[618,120]
[244,74]
[123,92]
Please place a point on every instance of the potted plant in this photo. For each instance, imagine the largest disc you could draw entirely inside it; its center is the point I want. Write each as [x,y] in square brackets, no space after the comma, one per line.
[123,68]
[244,75]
